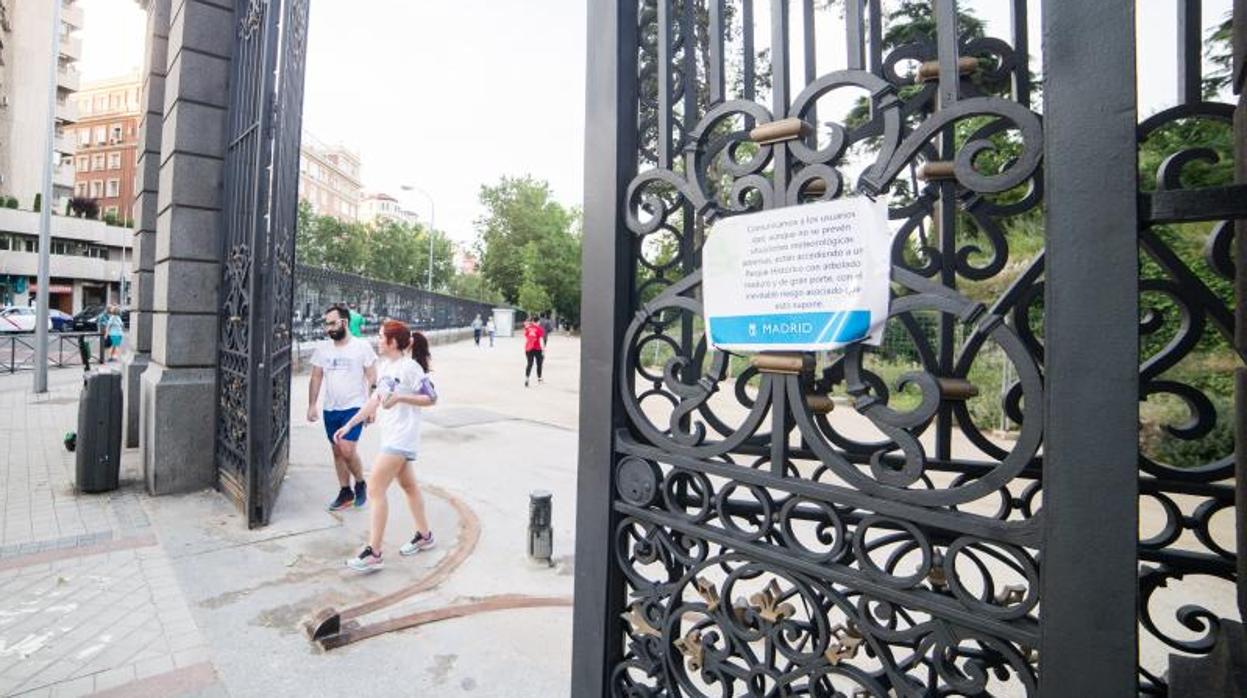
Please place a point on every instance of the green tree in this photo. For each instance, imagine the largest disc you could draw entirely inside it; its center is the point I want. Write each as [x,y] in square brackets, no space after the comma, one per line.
[394,253]
[473,286]
[323,241]
[533,298]
[521,213]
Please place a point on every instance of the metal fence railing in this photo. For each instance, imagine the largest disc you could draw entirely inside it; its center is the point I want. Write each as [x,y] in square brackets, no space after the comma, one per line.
[316,289]
[17,351]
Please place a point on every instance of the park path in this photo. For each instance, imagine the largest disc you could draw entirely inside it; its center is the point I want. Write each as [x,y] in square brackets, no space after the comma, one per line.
[122,594]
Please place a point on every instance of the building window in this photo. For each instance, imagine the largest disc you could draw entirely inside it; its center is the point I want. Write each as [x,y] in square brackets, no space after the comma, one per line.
[97,189]
[113,190]
[5,242]
[80,189]
[84,164]
[101,134]
[97,162]
[31,245]
[114,161]
[100,103]
[84,136]
[114,101]
[60,247]
[115,134]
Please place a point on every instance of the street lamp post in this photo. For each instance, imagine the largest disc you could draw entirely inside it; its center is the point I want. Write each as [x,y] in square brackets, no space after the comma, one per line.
[45,215]
[432,223]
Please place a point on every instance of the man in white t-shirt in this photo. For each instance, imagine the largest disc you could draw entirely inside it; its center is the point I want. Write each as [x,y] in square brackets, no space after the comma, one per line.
[346,366]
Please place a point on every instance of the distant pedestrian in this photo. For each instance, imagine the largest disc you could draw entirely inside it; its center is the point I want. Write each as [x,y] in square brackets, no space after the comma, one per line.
[547,329]
[533,352]
[345,365]
[403,389]
[101,328]
[114,329]
[491,330]
[356,321]
[476,329]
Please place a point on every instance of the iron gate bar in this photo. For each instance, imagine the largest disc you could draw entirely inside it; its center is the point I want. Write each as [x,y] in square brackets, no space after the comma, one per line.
[610,145]
[260,178]
[1089,582]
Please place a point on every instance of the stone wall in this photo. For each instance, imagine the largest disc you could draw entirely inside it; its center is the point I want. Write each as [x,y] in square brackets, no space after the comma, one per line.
[178,389]
[151,123]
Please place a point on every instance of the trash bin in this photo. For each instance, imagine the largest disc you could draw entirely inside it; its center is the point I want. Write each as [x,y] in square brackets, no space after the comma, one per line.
[99,433]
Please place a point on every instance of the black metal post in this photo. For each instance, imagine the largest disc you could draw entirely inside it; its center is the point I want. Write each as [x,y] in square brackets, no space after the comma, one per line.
[610,161]
[1089,584]
[1239,72]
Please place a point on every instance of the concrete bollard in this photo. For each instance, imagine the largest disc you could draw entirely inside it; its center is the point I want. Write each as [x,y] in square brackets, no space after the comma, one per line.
[540,532]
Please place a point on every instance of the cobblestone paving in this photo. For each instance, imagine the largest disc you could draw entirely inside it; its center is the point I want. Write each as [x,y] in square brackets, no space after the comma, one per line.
[88,600]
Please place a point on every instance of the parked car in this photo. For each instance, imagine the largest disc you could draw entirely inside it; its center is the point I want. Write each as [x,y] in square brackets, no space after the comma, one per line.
[84,320]
[61,322]
[14,319]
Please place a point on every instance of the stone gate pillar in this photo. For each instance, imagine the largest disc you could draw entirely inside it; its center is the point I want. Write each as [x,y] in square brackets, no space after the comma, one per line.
[178,389]
[155,61]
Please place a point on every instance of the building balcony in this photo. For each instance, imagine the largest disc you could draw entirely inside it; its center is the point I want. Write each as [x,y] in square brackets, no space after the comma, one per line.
[63,176]
[71,47]
[68,79]
[71,14]
[64,144]
[66,112]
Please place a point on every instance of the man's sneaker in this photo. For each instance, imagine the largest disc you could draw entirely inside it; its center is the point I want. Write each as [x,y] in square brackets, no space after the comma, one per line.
[344,500]
[361,494]
[422,541]
[366,561]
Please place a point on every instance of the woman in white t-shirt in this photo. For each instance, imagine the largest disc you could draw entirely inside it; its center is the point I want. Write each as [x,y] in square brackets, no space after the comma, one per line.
[403,389]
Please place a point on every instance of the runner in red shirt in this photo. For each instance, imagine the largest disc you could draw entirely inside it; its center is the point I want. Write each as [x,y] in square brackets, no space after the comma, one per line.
[532,349]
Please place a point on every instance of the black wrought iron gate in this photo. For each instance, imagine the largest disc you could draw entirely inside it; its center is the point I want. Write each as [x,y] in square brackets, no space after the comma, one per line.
[857,524]
[257,282]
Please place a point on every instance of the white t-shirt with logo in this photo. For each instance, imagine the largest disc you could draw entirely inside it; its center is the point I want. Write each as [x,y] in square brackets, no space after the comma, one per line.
[343,366]
[400,424]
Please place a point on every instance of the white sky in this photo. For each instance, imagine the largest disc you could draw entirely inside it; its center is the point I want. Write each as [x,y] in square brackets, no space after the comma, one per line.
[447,95]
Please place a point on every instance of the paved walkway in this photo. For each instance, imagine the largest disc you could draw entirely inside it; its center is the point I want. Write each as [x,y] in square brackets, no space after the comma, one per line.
[122,594]
[89,601]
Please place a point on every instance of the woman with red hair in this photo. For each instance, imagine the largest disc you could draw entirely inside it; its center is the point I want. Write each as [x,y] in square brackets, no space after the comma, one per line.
[403,389]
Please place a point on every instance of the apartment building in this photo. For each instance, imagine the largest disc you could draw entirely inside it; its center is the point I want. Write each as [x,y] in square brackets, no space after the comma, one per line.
[86,260]
[25,52]
[380,206]
[106,139]
[329,178]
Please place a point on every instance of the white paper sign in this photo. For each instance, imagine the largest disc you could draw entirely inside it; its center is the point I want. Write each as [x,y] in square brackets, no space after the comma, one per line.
[805,278]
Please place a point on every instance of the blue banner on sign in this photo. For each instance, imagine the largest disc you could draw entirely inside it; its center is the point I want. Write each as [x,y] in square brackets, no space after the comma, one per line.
[791,328]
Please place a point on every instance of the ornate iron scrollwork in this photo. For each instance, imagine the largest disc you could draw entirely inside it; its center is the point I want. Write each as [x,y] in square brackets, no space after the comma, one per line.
[779,549]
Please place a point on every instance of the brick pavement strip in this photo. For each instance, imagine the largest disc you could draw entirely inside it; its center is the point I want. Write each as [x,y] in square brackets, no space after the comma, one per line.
[194,677]
[88,600]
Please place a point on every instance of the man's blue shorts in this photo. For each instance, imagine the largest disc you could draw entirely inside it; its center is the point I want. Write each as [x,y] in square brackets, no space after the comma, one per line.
[336,419]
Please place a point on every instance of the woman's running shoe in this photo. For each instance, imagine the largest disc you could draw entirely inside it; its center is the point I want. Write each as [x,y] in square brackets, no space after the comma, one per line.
[366,561]
[422,541]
